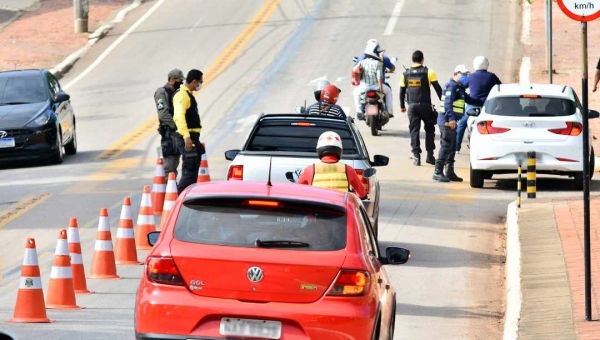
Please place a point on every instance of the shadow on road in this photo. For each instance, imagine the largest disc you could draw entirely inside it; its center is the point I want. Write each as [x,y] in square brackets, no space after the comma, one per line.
[452,312]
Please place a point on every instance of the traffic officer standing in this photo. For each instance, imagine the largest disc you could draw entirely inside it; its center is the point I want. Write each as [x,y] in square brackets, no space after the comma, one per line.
[188,123]
[415,85]
[454,101]
[163,98]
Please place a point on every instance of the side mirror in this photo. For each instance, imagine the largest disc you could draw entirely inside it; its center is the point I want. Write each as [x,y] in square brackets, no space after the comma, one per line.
[379,160]
[474,112]
[290,176]
[300,109]
[370,172]
[62,97]
[230,154]
[593,114]
[153,237]
[395,255]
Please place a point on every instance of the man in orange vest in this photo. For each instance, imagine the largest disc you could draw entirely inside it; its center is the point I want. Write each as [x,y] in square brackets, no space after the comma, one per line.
[329,172]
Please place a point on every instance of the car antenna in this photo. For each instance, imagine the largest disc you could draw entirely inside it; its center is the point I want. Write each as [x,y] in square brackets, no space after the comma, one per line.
[269,178]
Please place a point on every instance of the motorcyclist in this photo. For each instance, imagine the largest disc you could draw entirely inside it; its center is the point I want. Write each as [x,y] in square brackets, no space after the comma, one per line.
[326,104]
[371,73]
[329,172]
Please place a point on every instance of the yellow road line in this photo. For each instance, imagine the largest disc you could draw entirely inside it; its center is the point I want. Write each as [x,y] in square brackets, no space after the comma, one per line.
[107,173]
[21,207]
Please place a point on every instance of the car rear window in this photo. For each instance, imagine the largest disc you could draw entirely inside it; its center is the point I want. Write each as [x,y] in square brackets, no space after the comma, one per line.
[241,227]
[529,107]
[297,138]
[22,89]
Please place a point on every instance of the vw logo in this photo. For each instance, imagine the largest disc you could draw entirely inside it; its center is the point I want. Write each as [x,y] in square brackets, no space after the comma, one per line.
[3,134]
[254,274]
[528,124]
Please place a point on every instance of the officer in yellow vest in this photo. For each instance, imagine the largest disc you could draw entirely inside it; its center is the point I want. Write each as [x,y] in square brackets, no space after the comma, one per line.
[329,172]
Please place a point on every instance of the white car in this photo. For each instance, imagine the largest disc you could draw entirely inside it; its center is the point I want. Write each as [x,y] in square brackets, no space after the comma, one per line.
[517,118]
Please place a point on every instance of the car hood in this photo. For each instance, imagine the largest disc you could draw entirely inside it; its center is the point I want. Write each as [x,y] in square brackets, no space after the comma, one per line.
[17,116]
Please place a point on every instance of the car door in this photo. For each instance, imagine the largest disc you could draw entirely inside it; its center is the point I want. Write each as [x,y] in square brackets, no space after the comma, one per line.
[61,109]
[367,162]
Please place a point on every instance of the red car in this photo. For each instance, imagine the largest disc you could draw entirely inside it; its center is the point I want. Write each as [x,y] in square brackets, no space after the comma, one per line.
[246,260]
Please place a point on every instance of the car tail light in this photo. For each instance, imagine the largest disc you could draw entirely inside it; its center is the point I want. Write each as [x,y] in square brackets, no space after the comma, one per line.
[236,172]
[304,124]
[365,181]
[261,203]
[572,129]
[163,270]
[485,128]
[350,283]
[566,159]
[371,94]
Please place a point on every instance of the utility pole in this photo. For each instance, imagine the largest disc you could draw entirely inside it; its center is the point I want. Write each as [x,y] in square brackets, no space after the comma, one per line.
[81,9]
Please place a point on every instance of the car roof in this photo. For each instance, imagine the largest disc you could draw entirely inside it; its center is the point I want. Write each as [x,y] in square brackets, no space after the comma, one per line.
[515,89]
[296,116]
[21,73]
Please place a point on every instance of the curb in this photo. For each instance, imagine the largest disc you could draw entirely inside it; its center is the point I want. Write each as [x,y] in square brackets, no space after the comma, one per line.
[514,296]
[61,69]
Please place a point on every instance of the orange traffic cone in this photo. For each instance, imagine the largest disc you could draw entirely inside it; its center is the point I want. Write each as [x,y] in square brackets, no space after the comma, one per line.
[158,188]
[203,173]
[61,294]
[145,221]
[30,306]
[170,198]
[103,261]
[79,283]
[125,252]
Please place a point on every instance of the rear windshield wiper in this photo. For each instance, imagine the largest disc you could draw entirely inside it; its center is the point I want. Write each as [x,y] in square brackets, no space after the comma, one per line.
[280,244]
[541,114]
[14,103]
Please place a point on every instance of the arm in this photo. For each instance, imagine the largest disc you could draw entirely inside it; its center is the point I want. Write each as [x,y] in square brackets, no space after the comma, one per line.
[307,176]
[597,76]
[161,99]
[402,91]
[181,102]
[388,64]
[356,183]
[473,101]
[451,95]
[434,82]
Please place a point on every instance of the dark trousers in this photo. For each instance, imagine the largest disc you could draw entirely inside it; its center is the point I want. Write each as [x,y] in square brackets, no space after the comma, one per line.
[190,162]
[448,149]
[416,114]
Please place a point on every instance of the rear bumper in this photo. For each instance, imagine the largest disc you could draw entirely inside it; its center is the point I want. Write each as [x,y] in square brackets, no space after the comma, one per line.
[546,159]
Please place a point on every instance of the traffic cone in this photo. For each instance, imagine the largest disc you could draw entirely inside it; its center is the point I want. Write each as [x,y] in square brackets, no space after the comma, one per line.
[145,221]
[61,294]
[30,306]
[79,283]
[158,188]
[103,261]
[125,252]
[170,198]
[203,173]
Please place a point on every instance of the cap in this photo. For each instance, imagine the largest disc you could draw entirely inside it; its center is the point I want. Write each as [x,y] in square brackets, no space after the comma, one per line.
[176,73]
[462,68]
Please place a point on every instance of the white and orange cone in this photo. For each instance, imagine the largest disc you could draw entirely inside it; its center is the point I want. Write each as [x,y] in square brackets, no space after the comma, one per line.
[170,198]
[125,251]
[145,221]
[79,281]
[61,294]
[158,187]
[30,306]
[203,172]
[103,261]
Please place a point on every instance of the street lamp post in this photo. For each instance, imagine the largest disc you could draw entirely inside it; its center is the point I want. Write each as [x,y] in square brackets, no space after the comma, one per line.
[81,10]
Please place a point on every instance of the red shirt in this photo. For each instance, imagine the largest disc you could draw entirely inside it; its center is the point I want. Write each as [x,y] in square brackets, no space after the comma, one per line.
[353,179]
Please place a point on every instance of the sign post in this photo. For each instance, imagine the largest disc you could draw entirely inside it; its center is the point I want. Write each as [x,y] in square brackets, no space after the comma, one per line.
[584,11]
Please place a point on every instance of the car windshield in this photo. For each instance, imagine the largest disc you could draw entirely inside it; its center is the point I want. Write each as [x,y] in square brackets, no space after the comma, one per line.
[236,226]
[298,138]
[529,107]
[22,90]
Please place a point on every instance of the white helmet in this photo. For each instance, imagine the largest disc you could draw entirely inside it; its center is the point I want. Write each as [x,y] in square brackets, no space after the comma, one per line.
[329,143]
[320,85]
[373,49]
[480,63]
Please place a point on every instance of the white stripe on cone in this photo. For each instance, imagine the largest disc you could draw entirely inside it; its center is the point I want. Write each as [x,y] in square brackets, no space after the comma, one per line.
[168,205]
[125,233]
[159,187]
[103,245]
[30,283]
[103,224]
[73,235]
[61,273]
[145,219]
[146,200]
[62,247]
[126,212]
[31,258]
[171,186]
[76,258]
[160,170]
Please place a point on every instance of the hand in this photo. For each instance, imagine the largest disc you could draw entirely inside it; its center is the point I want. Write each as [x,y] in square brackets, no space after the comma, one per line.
[403,109]
[452,124]
[188,143]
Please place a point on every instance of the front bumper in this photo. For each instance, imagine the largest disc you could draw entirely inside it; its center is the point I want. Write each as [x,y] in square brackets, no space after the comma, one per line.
[31,145]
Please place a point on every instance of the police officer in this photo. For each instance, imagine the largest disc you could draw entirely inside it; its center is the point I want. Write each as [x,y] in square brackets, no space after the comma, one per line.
[454,99]
[188,123]
[415,86]
[329,172]
[163,98]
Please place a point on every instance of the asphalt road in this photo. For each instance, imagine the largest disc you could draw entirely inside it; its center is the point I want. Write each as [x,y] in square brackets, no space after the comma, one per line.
[264,56]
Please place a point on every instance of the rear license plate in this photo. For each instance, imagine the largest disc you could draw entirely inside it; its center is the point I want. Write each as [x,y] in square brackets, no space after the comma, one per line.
[250,328]
[372,110]
[7,142]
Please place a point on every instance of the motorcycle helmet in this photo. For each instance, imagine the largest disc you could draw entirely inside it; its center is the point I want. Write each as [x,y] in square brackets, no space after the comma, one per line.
[329,143]
[373,49]
[481,63]
[320,85]
[330,94]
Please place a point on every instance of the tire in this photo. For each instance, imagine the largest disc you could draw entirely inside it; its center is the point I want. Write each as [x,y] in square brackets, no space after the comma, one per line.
[476,178]
[578,181]
[373,124]
[488,175]
[391,329]
[58,156]
[592,164]
[71,146]
[376,228]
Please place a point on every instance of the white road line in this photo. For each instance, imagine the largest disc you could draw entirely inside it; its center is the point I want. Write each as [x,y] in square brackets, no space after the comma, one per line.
[114,45]
[196,24]
[339,79]
[389,29]
[324,77]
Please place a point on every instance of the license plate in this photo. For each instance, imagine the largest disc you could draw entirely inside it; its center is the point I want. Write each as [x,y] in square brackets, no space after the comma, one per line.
[7,142]
[372,110]
[250,328]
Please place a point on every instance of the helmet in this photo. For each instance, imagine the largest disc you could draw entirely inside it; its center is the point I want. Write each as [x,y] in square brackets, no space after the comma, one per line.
[329,143]
[329,94]
[373,49]
[480,63]
[320,85]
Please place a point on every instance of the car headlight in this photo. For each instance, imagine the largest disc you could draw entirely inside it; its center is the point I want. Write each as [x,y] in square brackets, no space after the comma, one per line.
[40,121]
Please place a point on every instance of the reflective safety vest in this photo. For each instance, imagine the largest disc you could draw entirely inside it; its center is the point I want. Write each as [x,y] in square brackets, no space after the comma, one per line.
[330,176]
[458,106]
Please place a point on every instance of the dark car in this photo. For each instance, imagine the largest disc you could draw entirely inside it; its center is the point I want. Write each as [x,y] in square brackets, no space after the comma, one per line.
[36,117]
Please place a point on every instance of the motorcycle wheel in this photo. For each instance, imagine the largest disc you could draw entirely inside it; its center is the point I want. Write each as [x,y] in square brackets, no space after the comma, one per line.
[374,124]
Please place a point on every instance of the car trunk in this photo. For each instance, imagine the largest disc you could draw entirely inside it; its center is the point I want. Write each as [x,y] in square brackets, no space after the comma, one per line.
[530,129]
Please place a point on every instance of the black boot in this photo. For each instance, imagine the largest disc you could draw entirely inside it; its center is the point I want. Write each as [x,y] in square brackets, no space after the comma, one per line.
[430,159]
[417,159]
[451,174]
[438,174]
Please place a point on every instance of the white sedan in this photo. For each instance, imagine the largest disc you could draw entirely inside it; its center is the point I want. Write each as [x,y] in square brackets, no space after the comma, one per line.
[517,118]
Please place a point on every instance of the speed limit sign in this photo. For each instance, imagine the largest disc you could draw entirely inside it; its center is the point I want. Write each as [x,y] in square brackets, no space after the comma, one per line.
[580,10]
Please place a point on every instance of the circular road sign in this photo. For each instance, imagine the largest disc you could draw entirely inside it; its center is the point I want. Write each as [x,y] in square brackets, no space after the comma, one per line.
[580,10]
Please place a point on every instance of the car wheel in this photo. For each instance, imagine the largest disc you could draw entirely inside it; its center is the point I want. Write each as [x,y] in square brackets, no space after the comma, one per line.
[476,177]
[71,146]
[488,175]
[592,164]
[578,181]
[392,324]
[58,156]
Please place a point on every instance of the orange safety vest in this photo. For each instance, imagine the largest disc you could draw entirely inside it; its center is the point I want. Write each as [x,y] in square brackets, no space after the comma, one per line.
[330,176]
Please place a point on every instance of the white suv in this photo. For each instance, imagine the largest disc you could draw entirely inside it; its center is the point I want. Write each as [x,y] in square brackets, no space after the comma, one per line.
[517,118]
